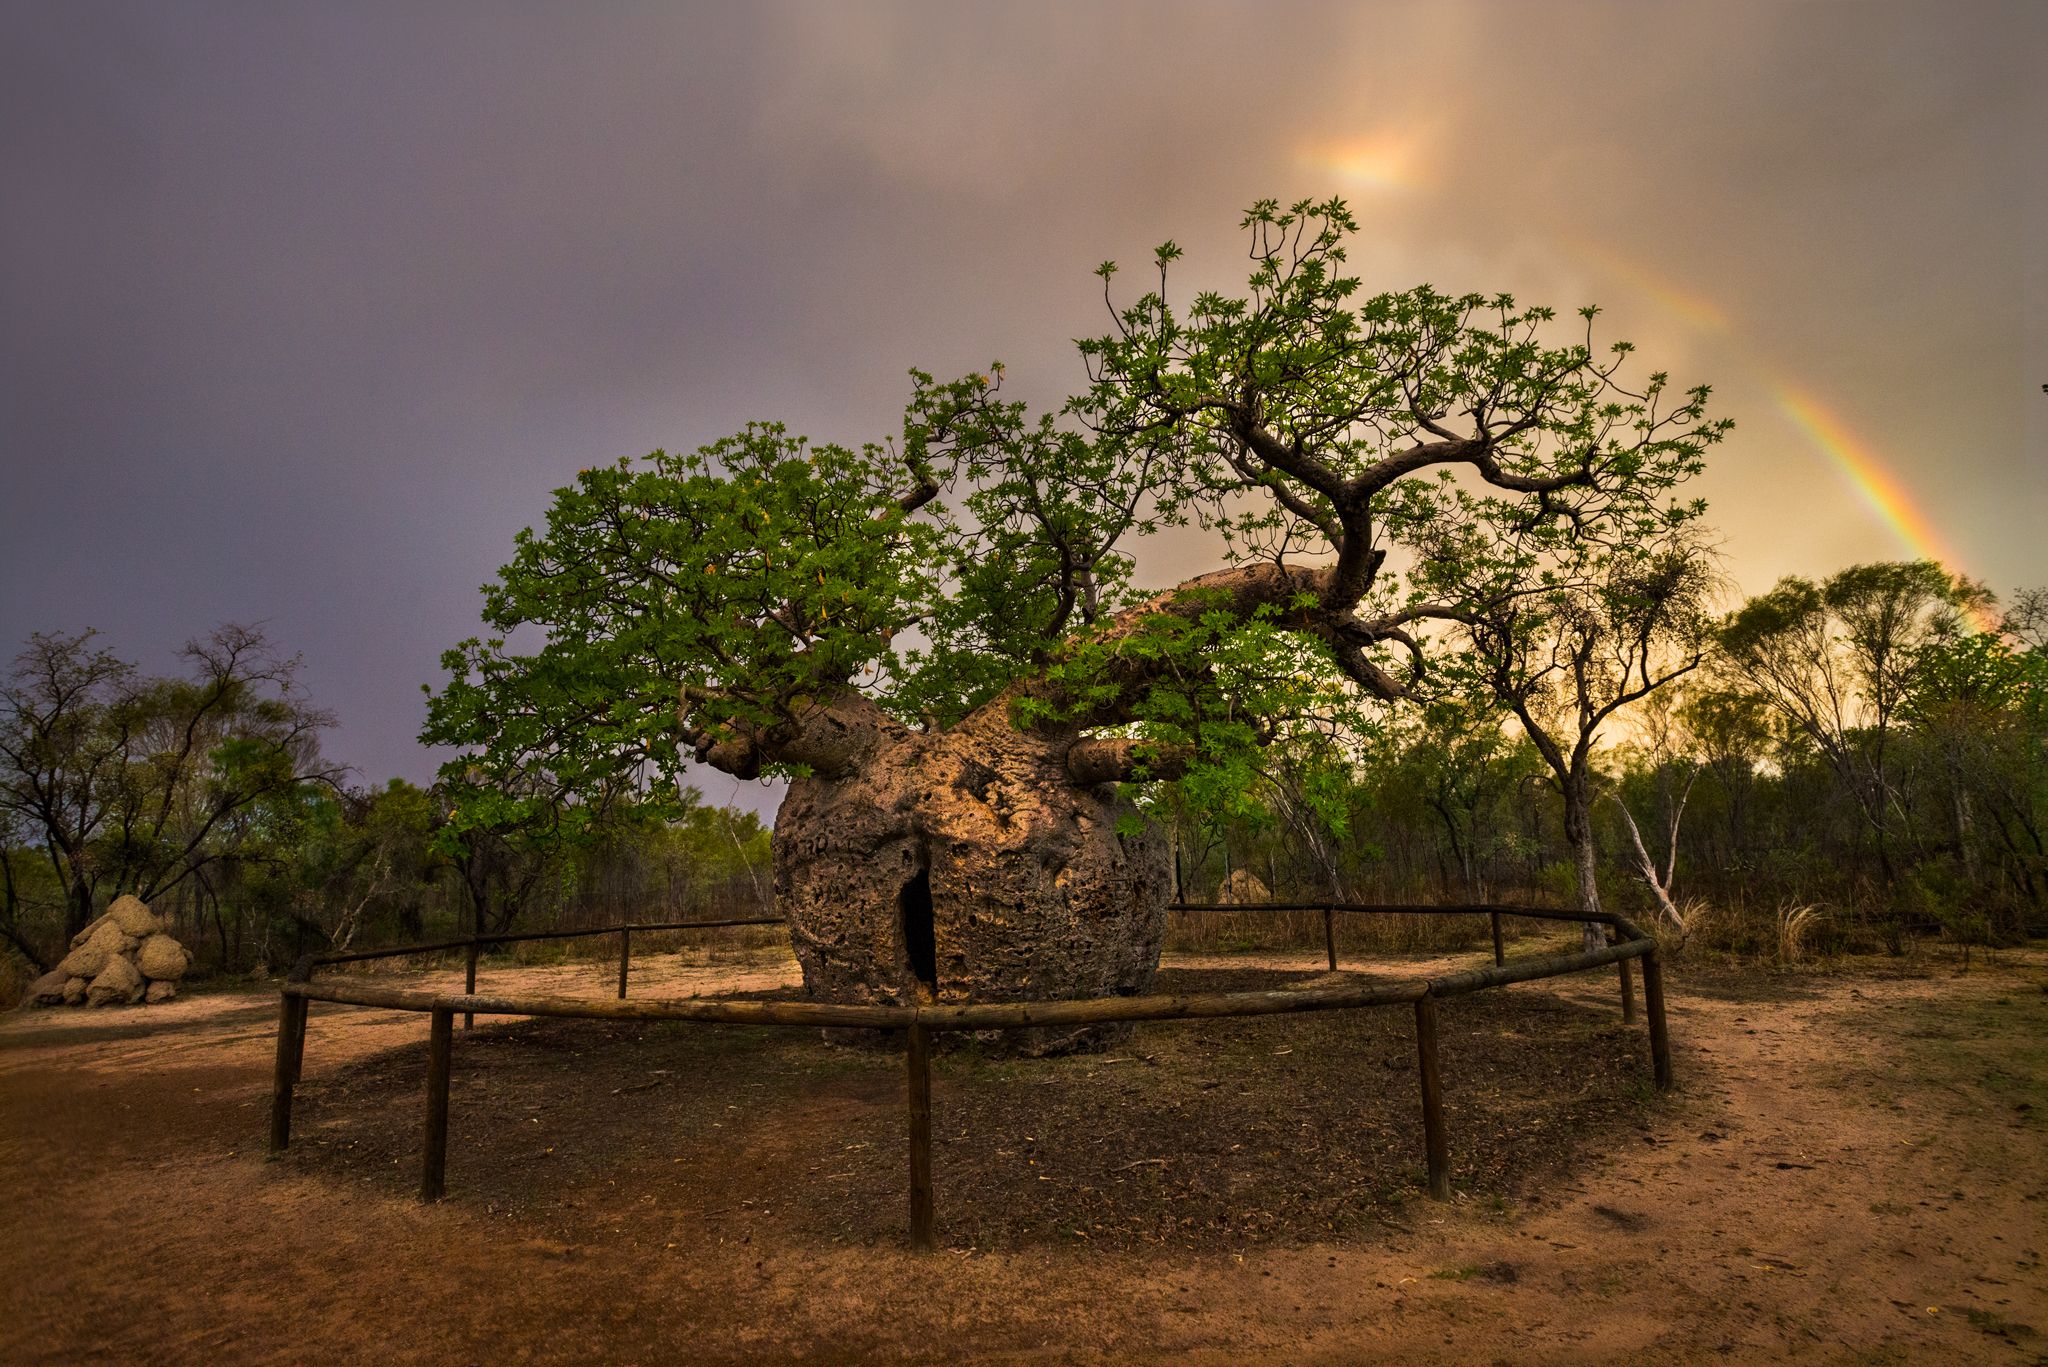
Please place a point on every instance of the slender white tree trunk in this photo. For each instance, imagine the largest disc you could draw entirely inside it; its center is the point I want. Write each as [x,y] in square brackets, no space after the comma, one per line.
[1646,869]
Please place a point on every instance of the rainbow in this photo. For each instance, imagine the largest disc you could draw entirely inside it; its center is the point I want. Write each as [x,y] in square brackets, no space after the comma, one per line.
[1853,457]
[1696,309]
[1866,473]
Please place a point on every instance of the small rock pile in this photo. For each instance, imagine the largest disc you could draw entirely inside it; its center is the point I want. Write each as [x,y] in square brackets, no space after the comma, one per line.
[124,957]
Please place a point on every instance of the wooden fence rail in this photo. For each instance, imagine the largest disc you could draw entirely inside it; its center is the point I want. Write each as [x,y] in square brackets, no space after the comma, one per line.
[917,1022]
[473,945]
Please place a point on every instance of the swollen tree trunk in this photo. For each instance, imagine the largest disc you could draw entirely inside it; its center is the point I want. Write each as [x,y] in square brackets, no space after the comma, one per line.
[992,861]
[968,865]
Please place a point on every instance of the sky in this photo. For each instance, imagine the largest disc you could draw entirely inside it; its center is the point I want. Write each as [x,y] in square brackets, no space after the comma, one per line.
[305,310]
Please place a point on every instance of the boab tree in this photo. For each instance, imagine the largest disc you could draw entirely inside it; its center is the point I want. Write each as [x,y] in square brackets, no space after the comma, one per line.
[939,641]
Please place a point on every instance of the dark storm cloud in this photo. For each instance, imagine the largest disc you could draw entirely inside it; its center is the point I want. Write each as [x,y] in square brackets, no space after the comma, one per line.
[305,310]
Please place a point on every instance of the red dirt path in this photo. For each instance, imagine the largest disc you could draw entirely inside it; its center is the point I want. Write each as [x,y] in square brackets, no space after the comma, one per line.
[1854,1170]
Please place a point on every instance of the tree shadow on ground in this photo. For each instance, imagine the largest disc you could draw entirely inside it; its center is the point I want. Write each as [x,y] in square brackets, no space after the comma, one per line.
[1200,1133]
[114,1024]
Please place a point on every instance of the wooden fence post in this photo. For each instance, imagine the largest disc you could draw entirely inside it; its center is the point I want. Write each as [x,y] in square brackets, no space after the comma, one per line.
[434,1152]
[1500,955]
[302,972]
[291,1055]
[1330,935]
[625,957]
[1653,1006]
[918,1061]
[469,983]
[1435,1141]
[1628,982]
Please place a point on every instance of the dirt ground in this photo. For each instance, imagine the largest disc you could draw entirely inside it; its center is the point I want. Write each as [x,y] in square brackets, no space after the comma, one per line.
[1853,1170]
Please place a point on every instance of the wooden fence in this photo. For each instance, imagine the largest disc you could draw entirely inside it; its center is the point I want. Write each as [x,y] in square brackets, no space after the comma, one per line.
[920,1020]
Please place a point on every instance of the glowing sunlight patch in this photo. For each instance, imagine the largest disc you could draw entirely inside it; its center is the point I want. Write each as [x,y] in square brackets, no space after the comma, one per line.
[1383,161]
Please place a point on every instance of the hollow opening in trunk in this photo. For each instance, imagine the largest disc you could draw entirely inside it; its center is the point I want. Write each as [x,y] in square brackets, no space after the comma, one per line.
[920,940]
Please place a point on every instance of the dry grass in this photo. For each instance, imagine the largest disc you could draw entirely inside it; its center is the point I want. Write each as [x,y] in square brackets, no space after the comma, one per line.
[1253,930]
[1789,934]
[693,945]
[1793,925]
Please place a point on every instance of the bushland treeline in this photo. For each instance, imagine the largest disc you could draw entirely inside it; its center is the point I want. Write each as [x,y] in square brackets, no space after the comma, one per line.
[206,794]
[1857,761]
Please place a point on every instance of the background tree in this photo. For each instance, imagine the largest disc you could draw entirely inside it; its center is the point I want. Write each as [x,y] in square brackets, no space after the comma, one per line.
[1667,762]
[1611,624]
[509,838]
[67,721]
[1457,760]
[129,783]
[1978,711]
[2025,624]
[1734,736]
[1833,660]
[13,909]
[323,867]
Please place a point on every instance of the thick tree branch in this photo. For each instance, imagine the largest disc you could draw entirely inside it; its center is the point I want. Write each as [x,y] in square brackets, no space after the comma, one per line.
[1119,759]
[1475,452]
[922,492]
[830,735]
[1289,459]
[1127,672]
